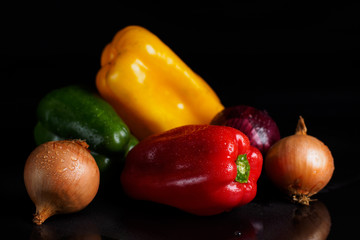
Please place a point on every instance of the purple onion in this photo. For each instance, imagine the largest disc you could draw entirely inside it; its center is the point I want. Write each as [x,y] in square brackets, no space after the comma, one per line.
[257,125]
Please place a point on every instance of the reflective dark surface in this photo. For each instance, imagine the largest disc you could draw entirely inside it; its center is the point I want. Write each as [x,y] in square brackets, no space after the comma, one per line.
[252,222]
[290,60]
[114,216]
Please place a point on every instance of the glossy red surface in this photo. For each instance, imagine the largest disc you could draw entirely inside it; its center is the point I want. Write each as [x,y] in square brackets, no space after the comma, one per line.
[192,168]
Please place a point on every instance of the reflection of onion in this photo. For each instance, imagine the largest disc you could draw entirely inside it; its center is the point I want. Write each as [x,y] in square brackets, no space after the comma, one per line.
[296,222]
[80,227]
[311,222]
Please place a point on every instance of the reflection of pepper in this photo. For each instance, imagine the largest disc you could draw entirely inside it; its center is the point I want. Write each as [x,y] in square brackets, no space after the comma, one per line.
[73,112]
[201,169]
[150,87]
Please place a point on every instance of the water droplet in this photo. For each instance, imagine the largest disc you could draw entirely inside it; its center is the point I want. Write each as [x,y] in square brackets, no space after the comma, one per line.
[62,160]
[62,170]
[73,166]
[237,233]
[74,158]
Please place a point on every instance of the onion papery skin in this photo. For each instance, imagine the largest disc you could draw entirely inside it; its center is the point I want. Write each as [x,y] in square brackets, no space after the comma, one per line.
[256,124]
[301,165]
[60,177]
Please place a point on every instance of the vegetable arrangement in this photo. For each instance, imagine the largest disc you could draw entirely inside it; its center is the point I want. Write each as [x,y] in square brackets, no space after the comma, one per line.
[184,158]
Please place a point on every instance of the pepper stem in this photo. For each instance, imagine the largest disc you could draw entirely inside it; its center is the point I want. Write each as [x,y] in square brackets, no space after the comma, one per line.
[243,169]
[301,128]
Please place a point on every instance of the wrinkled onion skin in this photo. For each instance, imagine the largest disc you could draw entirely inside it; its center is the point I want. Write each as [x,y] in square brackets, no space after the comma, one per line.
[257,125]
[299,164]
[60,177]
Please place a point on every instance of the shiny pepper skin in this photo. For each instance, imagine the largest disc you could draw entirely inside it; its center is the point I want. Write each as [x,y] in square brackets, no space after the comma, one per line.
[194,168]
[150,87]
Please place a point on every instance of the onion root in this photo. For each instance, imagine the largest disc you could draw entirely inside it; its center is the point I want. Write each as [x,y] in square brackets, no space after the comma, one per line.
[41,215]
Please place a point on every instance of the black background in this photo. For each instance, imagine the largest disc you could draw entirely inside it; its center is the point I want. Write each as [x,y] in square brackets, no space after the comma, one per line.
[290,59]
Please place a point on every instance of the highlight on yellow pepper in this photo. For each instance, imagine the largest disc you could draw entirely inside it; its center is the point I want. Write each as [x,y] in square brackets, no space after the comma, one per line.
[150,87]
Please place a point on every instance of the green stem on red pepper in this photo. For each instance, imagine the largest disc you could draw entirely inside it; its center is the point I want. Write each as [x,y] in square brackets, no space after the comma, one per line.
[243,169]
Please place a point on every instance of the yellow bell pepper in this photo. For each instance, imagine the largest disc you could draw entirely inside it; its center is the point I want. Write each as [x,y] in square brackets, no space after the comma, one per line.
[150,87]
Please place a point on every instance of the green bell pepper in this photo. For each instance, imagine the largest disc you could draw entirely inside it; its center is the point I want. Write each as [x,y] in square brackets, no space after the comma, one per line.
[76,113]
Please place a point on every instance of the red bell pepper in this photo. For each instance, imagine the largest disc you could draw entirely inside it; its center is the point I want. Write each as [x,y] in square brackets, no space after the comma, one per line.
[201,169]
